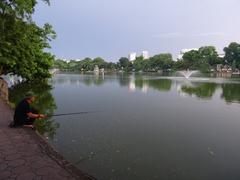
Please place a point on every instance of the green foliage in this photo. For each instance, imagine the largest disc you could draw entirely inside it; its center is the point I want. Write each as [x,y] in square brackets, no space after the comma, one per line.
[86,64]
[161,61]
[125,64]
[61,64]
[209,55]
[44,103]
[192,59]
[203,59]
[100,62]
[232,54]
[22,42]
[111,66]
[179,65]
[141,64]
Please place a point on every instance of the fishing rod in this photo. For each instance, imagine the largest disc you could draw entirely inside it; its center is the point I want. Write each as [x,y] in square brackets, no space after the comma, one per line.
[74,113]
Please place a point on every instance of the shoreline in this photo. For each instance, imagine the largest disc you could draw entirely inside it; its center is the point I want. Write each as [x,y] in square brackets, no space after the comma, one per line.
[22,147]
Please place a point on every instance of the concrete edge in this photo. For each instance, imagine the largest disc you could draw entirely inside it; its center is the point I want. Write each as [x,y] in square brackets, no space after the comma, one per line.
[49,150]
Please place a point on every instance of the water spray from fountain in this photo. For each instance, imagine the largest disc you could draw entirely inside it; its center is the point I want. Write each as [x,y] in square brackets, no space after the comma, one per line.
[187,73]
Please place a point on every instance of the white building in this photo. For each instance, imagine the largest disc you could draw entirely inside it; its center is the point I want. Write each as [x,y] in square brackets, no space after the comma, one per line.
[132,56]
[145,55]
[183,51]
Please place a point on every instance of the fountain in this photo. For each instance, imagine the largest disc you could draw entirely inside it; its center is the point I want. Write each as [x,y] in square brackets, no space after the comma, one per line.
[187,73]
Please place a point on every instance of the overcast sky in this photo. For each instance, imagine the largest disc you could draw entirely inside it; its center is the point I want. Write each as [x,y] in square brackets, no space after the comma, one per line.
[114,28]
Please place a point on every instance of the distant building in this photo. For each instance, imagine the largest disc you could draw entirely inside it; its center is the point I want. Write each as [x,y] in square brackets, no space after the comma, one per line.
[183,51]
[96,69]
[132,56]
[145,55]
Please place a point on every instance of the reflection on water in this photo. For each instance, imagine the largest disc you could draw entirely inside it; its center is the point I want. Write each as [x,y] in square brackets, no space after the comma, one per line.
[44,103]
[201,90]
[200,87]
[231,92]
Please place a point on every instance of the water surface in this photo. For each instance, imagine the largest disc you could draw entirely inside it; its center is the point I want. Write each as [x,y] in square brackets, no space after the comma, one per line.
[149,127]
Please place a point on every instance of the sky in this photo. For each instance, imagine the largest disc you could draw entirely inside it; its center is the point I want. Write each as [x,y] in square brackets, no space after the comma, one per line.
[113,28]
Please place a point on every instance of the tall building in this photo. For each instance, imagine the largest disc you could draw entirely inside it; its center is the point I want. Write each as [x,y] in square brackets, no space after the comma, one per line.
[145,55]
[132,56]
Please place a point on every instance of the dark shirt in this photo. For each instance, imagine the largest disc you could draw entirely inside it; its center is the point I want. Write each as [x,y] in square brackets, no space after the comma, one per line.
[21,111]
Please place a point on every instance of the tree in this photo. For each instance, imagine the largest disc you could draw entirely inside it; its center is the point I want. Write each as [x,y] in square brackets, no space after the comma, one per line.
[209,55]
[111,66]
[60,64]
[99,62]
[22,42]
[141,64]
[87,64]
[192,59]
[232,54]
[125,64]
[179,65]
[161,61]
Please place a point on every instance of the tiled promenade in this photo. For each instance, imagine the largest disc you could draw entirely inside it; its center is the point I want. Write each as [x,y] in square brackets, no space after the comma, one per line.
[25,155]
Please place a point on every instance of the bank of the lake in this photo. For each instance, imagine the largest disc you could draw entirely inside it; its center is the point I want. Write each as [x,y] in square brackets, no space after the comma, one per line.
[24,154]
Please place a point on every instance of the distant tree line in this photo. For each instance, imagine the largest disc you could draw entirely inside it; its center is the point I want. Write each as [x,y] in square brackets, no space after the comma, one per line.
[203,59]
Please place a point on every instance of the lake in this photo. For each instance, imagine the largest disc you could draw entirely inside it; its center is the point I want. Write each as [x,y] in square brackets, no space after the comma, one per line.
[148,127]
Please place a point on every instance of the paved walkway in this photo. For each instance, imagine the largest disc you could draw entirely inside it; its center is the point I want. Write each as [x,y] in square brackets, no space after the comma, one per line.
[25,155]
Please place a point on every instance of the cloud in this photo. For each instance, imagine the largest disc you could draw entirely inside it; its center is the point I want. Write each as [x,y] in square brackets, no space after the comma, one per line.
[181,35]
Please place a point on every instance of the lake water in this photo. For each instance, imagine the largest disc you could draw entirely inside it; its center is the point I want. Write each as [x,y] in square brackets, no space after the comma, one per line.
[149,127]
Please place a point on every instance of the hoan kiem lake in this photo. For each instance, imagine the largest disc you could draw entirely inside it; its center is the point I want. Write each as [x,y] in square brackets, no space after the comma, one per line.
[146,126]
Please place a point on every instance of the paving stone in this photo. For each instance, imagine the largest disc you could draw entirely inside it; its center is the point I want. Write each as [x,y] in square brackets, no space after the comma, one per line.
[9,152]
[39,178]
[22,169]
[38,164]
[16,163]
[13,176]
[63,173]
[12,157]
[26,176]
[3,167]
[45,171]
[4,175]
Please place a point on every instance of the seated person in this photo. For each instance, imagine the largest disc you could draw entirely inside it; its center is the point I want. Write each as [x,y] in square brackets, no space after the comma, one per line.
[24,115]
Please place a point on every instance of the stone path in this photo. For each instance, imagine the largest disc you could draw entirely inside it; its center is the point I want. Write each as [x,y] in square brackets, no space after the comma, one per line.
[24,155]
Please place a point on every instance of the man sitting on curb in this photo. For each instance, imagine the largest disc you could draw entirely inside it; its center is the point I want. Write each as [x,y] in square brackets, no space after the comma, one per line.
[25,116]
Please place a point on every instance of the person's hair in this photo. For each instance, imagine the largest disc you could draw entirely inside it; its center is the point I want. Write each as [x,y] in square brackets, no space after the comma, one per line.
[29,95]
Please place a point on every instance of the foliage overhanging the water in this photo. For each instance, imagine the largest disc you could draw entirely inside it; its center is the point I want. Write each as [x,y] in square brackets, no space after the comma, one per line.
[22,42]
[44,103]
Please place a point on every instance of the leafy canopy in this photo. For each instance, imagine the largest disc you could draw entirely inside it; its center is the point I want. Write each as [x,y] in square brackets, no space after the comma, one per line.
[22,42]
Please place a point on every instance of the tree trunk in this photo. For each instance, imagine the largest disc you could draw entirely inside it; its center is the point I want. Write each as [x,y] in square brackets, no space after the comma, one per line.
[1,70]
